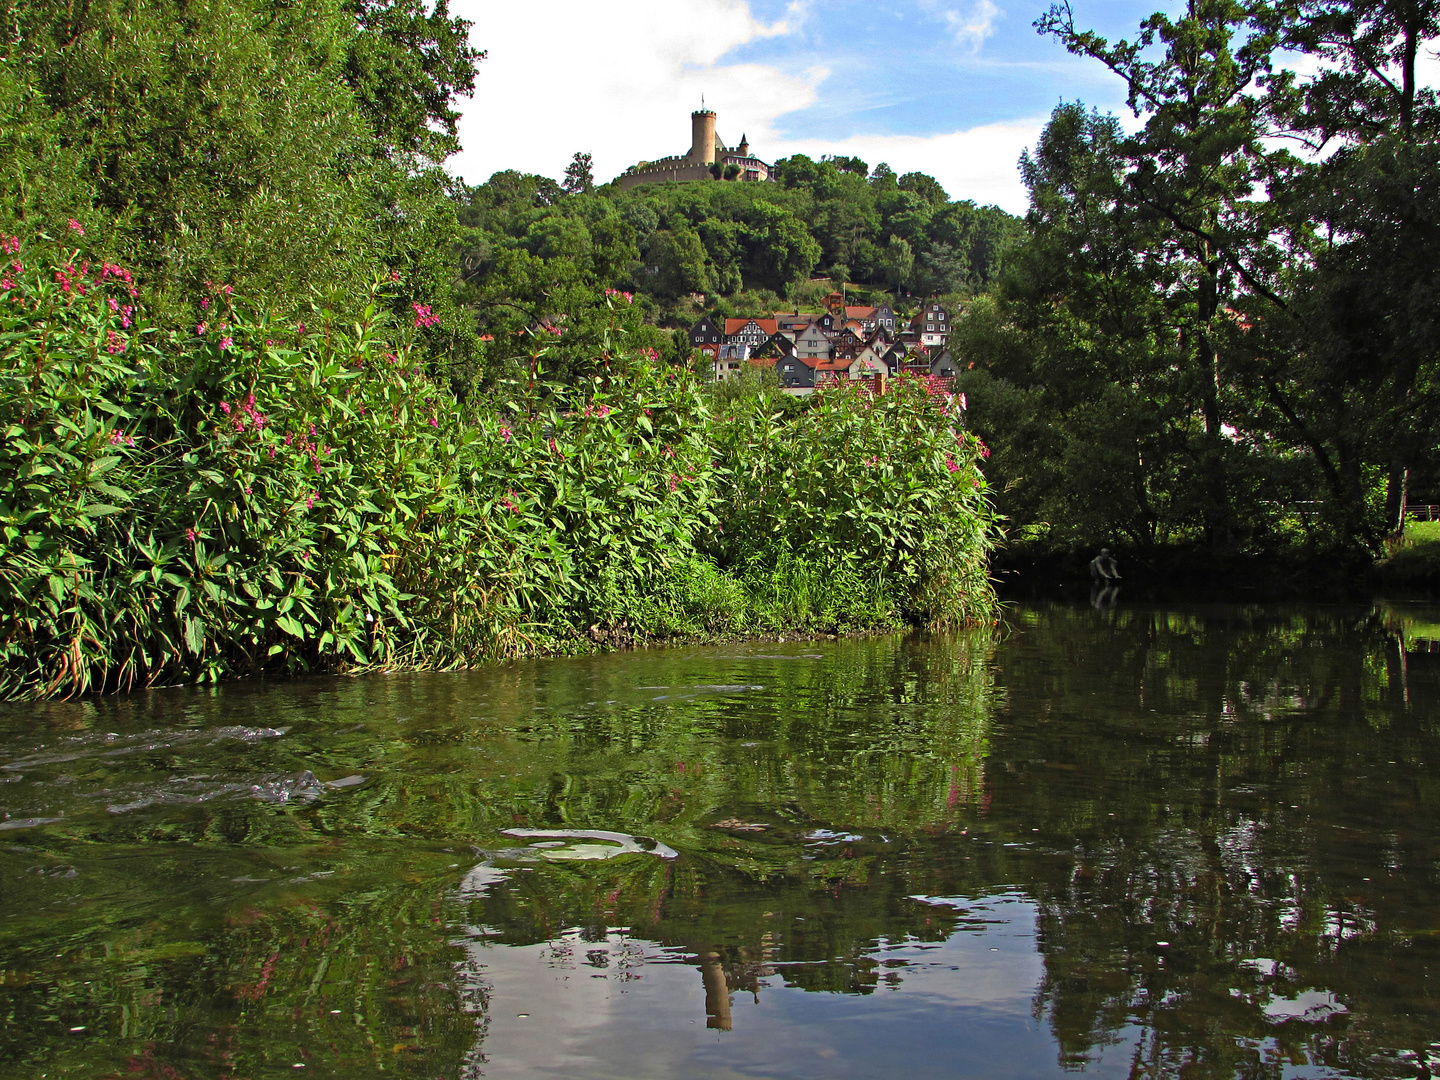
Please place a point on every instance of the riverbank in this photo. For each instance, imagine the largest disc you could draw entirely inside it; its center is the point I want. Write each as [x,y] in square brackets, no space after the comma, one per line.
[280,493]
[1193,573]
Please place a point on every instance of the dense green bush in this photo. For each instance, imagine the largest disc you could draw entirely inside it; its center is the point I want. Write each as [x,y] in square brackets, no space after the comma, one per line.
[289,494]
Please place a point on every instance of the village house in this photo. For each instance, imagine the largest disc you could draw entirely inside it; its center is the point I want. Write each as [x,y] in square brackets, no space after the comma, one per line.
[813,343]
[842,342]
[752,332]
[932,325]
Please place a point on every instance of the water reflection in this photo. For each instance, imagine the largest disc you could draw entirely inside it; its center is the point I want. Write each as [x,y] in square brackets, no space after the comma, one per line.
[1126,841]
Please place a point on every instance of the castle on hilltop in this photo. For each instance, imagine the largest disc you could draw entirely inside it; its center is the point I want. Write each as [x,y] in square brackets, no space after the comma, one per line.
[709,159]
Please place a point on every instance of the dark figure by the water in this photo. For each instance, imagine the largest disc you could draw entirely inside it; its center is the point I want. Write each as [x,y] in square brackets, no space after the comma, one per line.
[1103,569]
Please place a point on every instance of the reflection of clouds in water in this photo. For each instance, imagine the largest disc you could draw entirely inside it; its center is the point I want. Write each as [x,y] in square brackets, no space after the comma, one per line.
[585,1005]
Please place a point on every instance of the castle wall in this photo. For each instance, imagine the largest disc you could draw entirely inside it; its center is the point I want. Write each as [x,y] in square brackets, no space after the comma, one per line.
[660,174]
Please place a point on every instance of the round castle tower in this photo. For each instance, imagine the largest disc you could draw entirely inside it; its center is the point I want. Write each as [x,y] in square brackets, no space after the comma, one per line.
[702,137]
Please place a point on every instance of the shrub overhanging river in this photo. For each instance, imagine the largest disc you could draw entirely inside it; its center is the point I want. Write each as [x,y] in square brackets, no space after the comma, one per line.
[1133,842]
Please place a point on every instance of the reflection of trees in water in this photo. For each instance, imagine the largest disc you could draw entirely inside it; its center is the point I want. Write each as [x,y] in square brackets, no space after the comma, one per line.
[1238,821]
[1287,849]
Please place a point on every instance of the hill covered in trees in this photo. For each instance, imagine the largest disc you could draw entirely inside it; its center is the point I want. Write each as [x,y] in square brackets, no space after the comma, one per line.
[535,251]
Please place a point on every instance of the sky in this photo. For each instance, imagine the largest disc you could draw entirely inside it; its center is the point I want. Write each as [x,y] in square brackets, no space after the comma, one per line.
[954,88]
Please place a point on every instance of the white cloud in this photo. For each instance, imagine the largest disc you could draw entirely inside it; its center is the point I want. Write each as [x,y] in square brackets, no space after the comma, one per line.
[619,81]
[970,26]
[978,164]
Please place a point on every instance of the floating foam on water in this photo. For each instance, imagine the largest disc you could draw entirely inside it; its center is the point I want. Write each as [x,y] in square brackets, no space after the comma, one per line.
[618,843]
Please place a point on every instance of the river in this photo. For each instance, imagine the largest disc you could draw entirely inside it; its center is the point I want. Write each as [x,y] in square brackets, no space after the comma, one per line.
[1137,842]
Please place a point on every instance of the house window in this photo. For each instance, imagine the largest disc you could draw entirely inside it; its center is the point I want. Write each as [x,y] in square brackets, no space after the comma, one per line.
[930,326]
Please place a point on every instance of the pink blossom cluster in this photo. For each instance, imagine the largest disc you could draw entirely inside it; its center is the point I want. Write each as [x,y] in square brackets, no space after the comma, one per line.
[505,434]
[114,343]
[9,245]
[119,273]
[950,464]
[629,299]
[423,315]
[67,279]
[601,410]
[76,227]
[509,502]
[250,413]
[124,312]
[119,438]
[650,354]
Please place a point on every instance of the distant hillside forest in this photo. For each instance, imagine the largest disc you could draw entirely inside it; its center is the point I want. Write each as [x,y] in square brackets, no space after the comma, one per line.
[534,250]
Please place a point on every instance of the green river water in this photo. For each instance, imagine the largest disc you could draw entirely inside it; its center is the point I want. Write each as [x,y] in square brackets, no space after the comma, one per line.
[1144,842]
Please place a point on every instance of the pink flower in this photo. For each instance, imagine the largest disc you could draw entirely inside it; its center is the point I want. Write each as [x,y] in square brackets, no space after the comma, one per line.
[394,275]
[434,423]
[114,304]
[76,227]
[963,405]
[272,451]
[226,342]
[200,329]
[248,491]
[10,245]
[125,316]
[289,439]
[205,304]
[114,343]
[950,464]
[505,434]
[423,315]
[190,535]
[310,501]
[225,407]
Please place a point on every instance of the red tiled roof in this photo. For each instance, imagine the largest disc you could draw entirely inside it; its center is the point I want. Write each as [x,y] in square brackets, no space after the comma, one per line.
[734,326]
[859,312]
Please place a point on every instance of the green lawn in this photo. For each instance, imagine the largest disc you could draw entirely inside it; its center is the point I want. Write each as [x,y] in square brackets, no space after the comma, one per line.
[1422,531]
